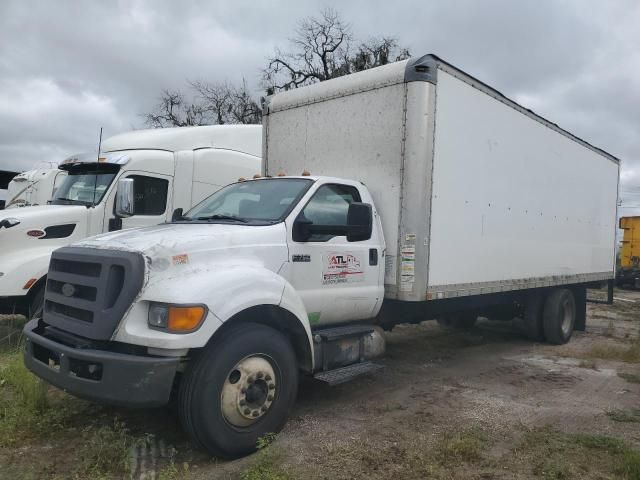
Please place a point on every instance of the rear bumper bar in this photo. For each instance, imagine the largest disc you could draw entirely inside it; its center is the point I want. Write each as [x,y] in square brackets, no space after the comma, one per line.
[98,375]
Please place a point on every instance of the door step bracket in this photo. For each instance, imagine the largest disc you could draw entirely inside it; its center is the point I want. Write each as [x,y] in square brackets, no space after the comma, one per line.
[345,374]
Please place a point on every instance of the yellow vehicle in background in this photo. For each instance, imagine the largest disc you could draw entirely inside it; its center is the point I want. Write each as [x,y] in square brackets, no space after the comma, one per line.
[629,270]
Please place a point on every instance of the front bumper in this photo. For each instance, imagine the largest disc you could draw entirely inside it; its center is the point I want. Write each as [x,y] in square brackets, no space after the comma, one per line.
[99,375]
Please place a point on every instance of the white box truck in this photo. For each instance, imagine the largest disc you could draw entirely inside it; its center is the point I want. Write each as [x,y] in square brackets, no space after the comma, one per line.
[169,168]
[421,192]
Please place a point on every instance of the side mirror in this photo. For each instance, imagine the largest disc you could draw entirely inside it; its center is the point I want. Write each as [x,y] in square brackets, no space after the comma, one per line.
[358,228]
[359,222]
[176,215]
[125,198]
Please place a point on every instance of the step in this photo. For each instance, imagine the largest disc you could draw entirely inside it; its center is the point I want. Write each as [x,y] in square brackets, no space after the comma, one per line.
[331,334]
[345,374]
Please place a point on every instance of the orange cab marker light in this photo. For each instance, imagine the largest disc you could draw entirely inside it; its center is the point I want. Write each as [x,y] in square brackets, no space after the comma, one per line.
[306,173]
[282,174]
[257,175]
[241,179]
[185,319]
[30,283]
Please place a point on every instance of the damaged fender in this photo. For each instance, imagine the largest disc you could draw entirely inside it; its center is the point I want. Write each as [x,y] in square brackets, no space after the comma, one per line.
[225,290]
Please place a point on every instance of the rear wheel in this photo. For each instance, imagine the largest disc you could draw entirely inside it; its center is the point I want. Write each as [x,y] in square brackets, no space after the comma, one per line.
[533,324]
[559,316]
[241,388]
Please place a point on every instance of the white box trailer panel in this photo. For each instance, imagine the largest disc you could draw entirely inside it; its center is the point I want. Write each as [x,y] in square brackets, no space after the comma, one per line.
[515,204]
[471,187]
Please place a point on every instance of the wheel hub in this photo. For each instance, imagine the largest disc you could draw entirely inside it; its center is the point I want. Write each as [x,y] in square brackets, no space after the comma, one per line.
[249,391]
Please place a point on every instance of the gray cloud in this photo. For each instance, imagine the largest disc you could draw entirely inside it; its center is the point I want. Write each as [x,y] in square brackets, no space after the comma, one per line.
[68,68]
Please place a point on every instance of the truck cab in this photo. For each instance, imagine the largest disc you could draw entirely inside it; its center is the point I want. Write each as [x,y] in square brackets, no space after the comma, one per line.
[129,315]
[169,168]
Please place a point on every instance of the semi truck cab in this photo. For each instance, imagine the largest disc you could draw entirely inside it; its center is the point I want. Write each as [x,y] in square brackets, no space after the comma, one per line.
[169,169]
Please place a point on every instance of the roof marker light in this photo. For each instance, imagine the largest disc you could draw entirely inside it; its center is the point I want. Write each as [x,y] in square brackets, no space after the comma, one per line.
[306,173]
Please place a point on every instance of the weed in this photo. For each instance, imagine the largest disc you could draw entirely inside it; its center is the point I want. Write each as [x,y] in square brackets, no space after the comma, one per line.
[464,446]
[631,416]
[590,364]
[629,377]
[267,463]
[104,450]
[623,353]
[558,455]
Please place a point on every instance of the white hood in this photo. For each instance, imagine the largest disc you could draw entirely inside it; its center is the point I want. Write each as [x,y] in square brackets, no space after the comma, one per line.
[197,244]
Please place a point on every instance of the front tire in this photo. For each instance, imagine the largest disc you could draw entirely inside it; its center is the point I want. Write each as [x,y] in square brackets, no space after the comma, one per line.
[559,316]
[239,389]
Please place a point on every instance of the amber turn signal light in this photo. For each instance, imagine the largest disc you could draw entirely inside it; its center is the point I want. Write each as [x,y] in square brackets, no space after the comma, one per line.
[185,319]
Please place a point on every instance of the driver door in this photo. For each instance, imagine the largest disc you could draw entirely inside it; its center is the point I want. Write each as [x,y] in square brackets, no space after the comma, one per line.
[337,280]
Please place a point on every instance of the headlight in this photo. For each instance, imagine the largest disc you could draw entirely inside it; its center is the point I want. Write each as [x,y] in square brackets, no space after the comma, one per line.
[176,318]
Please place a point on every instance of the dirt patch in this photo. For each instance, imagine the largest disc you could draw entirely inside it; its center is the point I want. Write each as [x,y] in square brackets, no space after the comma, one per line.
[486,403]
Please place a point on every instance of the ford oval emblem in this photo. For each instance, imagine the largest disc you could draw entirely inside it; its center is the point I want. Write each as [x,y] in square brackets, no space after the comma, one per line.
[36,233]
[68,290]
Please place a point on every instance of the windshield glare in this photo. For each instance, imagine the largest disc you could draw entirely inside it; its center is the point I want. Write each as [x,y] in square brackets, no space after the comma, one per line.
[255,201]
[83,187]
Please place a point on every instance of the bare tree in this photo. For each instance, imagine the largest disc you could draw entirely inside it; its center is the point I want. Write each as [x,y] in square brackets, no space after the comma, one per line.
[323,48]
[213,103]
[174,110]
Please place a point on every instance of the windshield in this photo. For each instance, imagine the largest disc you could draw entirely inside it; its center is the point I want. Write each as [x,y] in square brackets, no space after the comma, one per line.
[257,201]
[85,186]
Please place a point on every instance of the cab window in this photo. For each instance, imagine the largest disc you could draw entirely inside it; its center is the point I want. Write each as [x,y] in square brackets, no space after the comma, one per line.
[150,195]
[329,206]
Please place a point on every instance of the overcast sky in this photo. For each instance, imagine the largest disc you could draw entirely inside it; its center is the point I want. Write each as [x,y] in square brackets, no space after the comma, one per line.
[69,68]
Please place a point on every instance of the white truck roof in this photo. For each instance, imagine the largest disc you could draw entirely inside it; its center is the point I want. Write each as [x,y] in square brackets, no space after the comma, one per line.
[424,68]
[241,138]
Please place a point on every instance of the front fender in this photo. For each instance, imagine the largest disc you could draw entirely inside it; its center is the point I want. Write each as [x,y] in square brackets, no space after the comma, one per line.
[18,268]
[226,291]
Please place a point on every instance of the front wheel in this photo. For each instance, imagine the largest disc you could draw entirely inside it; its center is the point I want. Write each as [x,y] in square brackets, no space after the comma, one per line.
[241,388]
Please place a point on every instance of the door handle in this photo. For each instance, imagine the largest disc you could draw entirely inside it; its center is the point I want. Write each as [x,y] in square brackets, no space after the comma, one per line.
[373,257]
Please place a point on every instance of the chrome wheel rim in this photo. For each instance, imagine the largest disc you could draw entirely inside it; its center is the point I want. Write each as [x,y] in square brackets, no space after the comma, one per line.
[248,391]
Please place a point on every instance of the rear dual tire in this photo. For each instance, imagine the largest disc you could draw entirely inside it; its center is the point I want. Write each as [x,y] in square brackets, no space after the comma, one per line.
[550,316]
[240,388]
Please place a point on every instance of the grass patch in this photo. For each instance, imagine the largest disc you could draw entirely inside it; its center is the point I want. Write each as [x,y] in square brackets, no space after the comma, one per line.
[627,416]
[556,455]
[629,377]
[32,414]
[622,353]
[266,465]
[465,446]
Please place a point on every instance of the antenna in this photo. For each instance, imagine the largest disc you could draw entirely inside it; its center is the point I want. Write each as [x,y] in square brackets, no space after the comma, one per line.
[99,144]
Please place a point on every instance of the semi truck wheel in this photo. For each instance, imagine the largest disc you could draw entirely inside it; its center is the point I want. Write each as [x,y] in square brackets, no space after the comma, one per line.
[241,388]
[559,316]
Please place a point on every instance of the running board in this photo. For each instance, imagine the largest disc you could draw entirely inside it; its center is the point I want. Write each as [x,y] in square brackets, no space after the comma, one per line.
[345,374]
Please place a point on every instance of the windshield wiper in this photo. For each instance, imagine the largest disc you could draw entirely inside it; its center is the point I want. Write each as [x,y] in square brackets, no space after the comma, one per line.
[73,200]
[218,216]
